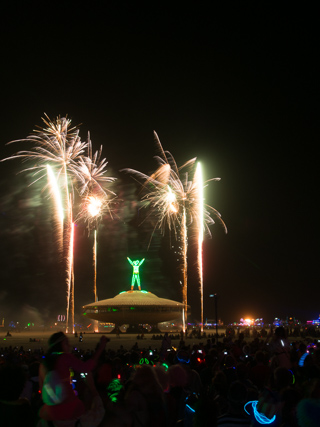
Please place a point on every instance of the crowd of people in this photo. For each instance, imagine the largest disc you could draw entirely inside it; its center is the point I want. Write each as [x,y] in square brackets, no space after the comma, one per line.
[227,382]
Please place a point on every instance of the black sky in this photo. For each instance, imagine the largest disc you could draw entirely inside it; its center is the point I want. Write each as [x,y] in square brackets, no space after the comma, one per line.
[234,84]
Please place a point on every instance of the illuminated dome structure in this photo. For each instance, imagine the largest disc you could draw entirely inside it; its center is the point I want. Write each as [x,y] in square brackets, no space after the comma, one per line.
[134,307]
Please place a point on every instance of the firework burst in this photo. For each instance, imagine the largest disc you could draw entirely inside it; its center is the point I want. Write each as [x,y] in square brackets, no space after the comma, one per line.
[58,153]
[90,171]
[57,144]
[174,196]
[96,200]
[170,190]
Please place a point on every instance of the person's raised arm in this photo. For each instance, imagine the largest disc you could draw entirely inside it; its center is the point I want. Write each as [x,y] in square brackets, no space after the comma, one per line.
[80,366]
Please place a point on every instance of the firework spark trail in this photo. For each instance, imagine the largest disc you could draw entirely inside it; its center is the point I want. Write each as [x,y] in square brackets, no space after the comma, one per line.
[95,293]
[95,199]
[70,291]
[59,145]
[59,217]
[91,211]
[184,269]
[95,266]
[172,196]
[90,172]
[199,183]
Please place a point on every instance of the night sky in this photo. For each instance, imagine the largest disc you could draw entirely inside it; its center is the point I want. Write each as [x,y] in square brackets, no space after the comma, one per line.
[235,85]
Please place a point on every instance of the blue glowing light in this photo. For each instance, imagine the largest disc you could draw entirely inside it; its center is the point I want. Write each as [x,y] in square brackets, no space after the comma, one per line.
[190,409]
[302,359]
[261,418]
[182,360]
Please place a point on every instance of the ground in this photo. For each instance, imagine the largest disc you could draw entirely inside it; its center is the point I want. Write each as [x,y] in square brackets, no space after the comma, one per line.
[90,340]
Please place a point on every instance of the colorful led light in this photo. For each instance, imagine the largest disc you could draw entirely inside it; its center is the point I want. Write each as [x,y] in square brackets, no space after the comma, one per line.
[302,359]
[135,275]
[260,417]
[190,409]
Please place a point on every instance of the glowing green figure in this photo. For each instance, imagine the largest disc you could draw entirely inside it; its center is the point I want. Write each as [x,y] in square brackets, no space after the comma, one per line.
[135,275]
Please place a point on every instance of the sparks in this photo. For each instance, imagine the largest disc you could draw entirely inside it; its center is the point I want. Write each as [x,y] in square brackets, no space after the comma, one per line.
[174,197]
[70,281]
[90,171]
[95,200]
[59,153]
[199,184]
[56,195]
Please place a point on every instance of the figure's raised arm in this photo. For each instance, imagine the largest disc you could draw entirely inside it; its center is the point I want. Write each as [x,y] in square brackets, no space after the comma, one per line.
[129,260]
[141,261]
